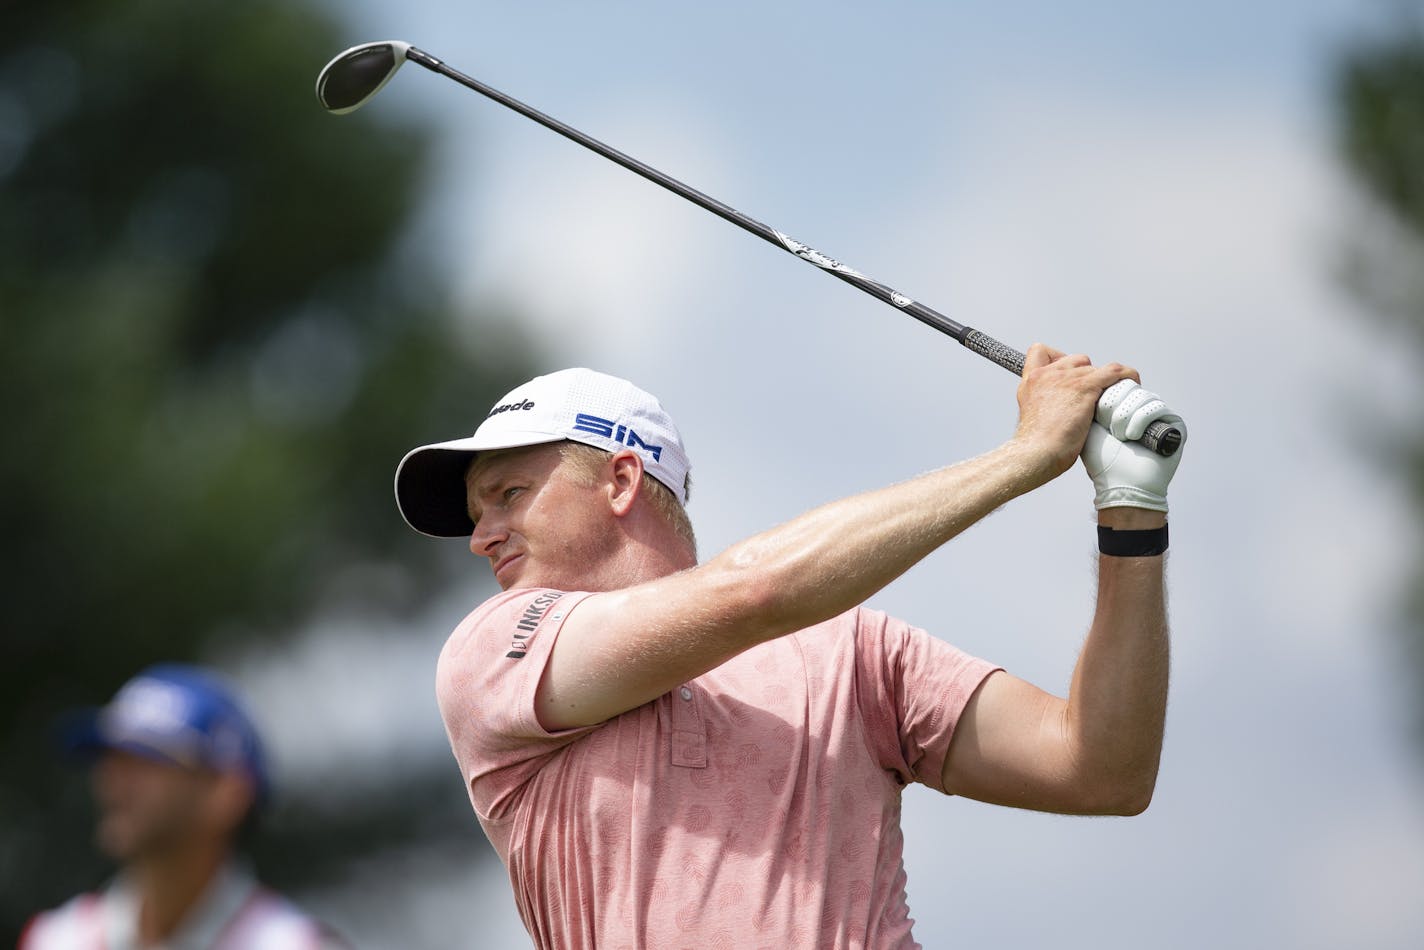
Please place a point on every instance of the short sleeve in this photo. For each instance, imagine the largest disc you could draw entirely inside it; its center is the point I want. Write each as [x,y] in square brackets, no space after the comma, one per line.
[485,683]
[76,923]
[913,687]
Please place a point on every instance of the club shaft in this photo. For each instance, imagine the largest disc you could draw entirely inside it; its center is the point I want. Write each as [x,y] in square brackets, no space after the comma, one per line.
[873,287]
[1160,437]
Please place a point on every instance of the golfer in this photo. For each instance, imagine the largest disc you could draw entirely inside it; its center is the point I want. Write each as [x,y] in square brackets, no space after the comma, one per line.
[672,754]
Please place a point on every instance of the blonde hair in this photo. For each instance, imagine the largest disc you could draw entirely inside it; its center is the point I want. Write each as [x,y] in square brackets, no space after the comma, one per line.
[585,463]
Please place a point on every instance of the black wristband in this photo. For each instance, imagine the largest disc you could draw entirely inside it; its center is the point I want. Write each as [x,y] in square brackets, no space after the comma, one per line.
[1149,543]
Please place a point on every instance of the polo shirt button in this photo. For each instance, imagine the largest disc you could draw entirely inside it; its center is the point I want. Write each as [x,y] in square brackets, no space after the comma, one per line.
[685,693]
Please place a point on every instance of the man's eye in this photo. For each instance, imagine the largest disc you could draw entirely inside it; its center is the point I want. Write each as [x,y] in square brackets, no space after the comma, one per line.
[509,493]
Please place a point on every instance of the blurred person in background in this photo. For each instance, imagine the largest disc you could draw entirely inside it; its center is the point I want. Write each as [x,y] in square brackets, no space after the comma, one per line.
[178,776]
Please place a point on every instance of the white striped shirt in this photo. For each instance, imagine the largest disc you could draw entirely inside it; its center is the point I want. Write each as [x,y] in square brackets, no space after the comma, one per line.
[235,913]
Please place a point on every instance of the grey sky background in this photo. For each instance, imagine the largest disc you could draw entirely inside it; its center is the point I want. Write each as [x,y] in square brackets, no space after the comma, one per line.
[1154,185]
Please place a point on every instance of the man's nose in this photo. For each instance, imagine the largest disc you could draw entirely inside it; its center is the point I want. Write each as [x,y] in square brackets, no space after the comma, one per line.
[488,534]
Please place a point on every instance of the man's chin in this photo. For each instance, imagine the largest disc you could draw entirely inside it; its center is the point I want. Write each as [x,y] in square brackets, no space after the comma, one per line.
[115,841]
[507,574]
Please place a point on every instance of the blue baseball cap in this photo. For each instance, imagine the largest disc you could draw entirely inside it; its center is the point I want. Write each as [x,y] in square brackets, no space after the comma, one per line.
[178,714]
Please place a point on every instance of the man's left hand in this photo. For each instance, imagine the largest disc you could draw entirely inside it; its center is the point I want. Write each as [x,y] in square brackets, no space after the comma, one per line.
[1125,473]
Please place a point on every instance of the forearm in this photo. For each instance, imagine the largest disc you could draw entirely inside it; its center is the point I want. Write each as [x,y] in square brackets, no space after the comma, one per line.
[1117,704]
[834,557]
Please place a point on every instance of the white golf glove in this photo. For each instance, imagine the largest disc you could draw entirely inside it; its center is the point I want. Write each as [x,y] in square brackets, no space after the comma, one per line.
[1125,473]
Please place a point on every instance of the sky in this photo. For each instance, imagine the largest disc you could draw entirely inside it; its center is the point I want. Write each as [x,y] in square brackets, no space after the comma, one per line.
[1156,186]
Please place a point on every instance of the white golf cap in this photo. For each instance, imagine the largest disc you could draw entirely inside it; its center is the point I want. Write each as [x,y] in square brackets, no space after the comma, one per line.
[577,404]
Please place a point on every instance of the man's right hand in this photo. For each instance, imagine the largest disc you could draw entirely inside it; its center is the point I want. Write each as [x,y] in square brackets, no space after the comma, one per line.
[1057,399]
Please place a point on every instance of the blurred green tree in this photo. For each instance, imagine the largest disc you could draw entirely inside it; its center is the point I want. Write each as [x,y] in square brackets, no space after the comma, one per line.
[214,345]
[1379,90]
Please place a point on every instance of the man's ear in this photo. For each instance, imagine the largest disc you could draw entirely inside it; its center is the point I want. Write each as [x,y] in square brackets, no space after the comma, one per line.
[625,481]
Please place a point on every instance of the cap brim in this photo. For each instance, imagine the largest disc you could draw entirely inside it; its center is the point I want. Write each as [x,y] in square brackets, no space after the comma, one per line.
[430,481]
[83,739]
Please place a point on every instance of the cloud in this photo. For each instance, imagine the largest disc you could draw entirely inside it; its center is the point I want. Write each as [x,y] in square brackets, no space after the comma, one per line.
[595,255]
[352,700]
[422,898]
[1362,874]
[1198,237]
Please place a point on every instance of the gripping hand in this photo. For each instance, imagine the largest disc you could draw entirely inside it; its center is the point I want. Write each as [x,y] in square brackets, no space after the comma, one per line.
[1124,473]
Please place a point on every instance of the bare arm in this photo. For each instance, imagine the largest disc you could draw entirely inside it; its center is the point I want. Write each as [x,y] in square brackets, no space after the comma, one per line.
[621,649]
[1096,752]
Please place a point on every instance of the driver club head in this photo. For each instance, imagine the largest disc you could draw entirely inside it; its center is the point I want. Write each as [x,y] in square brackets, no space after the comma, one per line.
[355,75]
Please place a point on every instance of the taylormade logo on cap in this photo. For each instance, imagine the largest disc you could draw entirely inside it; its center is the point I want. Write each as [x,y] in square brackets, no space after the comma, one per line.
[593,408]
[580,405]
[523,404]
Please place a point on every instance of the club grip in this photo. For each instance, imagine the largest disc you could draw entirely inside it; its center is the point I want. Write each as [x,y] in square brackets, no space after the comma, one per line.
[1161,437]
[994,351]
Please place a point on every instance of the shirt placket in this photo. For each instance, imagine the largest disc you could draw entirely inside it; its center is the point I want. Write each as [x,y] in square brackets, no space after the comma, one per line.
[689,731]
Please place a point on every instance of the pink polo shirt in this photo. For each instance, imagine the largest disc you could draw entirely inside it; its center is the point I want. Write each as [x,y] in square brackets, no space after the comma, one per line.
[757,805]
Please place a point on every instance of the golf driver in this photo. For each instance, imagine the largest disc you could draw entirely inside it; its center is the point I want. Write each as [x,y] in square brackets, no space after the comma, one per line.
[354,76]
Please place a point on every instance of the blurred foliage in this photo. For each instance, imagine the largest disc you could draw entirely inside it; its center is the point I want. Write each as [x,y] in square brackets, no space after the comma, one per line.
[1380,123]
[216,346]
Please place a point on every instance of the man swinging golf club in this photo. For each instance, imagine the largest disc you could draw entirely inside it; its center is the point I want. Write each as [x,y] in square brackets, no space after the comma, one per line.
[666,753]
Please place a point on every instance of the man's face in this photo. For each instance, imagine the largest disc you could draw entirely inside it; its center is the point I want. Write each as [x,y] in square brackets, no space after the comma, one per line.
[147,808]
[539,525]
